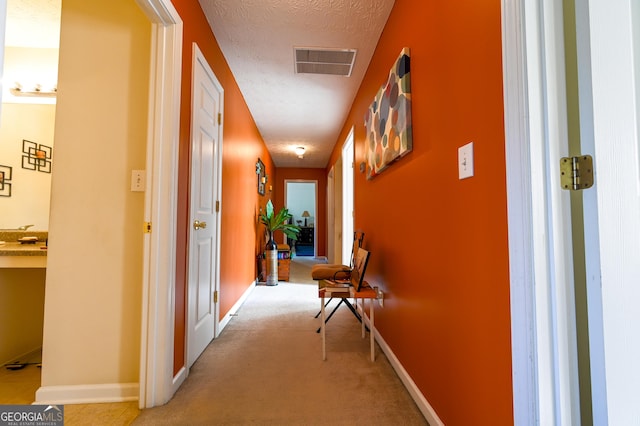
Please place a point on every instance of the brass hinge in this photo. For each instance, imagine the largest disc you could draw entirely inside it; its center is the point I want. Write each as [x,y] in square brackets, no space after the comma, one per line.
[576,173]
[215,296]
[147,228]
[219,118]
[217,206]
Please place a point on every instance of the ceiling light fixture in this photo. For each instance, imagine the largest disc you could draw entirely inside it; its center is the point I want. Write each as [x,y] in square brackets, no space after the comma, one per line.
[300,151]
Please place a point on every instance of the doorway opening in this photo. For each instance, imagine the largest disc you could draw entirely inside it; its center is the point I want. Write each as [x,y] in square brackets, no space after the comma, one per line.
[29,50]
[348,213]
[301,201]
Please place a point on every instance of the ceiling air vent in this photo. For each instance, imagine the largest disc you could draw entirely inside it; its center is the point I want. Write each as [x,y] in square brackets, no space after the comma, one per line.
[324,61]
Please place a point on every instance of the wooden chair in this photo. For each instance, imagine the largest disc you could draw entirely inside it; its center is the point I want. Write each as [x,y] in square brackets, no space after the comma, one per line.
[324,271]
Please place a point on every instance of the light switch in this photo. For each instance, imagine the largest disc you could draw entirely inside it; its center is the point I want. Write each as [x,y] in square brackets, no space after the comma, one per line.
[465,161]
[138,180]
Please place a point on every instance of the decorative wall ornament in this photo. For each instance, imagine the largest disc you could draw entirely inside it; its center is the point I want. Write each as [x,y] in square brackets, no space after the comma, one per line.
[388,120]
[38,156]
[262,176]
[5,181]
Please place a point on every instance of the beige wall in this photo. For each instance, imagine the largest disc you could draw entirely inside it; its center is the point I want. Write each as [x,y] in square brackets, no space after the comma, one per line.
[94,274]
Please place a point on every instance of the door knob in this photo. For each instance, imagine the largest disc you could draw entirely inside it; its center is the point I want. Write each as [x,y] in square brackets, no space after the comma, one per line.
[199,225]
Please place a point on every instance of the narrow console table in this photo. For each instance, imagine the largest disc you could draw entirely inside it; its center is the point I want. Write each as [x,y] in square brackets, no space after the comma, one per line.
[365,292]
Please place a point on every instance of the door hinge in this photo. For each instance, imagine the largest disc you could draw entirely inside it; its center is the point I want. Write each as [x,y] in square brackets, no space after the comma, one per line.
[576,173]
[215,296]
[147,228]
[217,206]
[219,118]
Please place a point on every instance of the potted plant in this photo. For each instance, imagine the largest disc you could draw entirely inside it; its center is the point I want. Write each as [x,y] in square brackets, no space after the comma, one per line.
[276,222]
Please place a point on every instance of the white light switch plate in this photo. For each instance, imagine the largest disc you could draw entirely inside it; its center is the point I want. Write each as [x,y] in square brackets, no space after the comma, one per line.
[465,161]
[138,180]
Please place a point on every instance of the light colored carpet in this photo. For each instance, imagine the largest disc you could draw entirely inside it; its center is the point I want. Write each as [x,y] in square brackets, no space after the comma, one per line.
[266,368]
[300,270]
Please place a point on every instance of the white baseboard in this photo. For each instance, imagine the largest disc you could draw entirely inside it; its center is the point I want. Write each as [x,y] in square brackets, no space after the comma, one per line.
[423,405]
[87,394]
[178,379]
[224,321]
[26,357]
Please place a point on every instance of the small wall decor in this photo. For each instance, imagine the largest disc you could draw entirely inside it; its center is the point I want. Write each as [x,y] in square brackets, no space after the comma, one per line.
[388,120]
[38,156]
[5,181]
[262,176]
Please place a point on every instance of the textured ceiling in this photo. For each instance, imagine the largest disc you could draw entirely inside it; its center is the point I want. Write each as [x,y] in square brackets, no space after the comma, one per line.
[33,23]
[257,37]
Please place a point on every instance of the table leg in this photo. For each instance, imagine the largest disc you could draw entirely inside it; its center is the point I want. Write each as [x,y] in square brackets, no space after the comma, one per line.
[322,327]
[363,306]
[371,328]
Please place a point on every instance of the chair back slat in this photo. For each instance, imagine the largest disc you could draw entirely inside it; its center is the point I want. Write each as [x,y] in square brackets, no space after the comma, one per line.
[358,237]
[360,266]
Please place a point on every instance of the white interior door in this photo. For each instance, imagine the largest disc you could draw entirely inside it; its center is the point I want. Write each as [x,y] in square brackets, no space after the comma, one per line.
[204,236]
[608,39]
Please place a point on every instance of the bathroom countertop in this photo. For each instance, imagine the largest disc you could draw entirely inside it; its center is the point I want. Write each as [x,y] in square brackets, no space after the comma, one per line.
[16,255]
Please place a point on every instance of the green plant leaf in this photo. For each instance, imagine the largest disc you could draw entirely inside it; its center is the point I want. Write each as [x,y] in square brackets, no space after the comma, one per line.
[279,221]
[269,209]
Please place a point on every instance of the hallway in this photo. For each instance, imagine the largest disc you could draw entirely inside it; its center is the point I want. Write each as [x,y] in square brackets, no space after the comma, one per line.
[266,368]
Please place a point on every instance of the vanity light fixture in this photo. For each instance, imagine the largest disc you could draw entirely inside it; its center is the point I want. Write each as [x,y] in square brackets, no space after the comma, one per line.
[18,90]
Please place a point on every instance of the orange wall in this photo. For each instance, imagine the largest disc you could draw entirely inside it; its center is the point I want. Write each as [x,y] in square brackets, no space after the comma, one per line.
[242,146]
[438,244]
[319,175]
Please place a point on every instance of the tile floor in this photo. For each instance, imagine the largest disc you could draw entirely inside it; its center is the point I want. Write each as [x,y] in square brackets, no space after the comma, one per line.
[19,387]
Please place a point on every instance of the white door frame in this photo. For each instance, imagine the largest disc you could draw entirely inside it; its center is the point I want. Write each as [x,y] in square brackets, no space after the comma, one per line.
[331,216]
[544,348]
[337,200]
[157,381]
[315,209]
[348,197]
